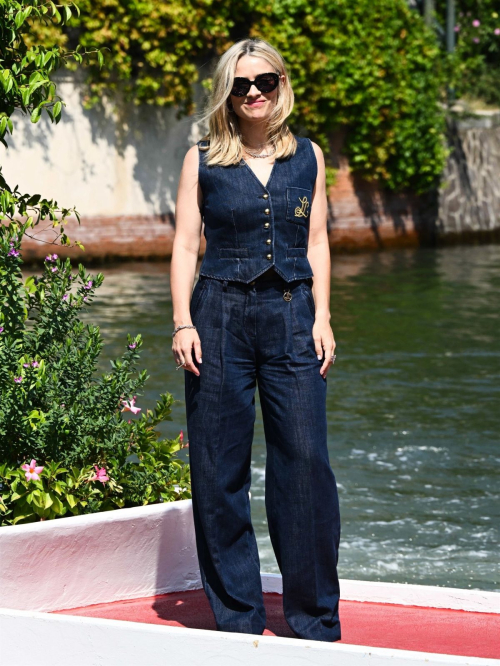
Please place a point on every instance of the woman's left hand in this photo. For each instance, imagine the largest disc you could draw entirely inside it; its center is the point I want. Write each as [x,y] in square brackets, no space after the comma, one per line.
[324,343]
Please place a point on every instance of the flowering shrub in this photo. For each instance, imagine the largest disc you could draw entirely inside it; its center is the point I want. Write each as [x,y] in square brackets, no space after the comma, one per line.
[65,444]
[477,56]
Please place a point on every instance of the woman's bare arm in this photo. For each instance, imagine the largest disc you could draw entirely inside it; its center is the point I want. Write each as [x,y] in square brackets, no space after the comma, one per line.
[319,258]
[188,223]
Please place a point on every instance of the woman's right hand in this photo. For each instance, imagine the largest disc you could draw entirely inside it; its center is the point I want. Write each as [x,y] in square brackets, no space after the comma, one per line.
[185,340]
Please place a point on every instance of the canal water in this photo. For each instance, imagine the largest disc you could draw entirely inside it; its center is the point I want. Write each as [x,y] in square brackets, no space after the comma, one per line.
[413,406]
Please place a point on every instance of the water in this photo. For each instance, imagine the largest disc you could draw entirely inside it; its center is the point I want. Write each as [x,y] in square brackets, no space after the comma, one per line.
[412,407]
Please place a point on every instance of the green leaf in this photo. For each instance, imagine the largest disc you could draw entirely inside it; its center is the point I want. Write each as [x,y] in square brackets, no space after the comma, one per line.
[35,114]
[56,111]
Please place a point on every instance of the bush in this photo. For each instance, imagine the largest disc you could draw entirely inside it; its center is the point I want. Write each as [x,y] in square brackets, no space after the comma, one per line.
[55,413]
[477,55]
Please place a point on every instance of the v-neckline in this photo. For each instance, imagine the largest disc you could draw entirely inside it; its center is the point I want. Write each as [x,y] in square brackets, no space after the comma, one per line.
[257,178]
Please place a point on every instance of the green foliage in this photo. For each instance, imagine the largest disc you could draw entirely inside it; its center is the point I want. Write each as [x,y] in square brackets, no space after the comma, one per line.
[53,409]
[477,56]
[59,491]
[369,67]
[373,68]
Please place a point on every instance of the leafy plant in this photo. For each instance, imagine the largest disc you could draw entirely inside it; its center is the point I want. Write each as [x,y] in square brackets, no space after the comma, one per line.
[477,57]
[54,409]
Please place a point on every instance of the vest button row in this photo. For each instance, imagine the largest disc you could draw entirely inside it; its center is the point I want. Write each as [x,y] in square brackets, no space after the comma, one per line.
[268,241]
[269,256]
[265,196]
[267,225]
[267,211]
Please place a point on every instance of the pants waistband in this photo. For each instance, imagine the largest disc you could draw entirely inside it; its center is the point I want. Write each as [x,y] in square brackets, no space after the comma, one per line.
[268,279]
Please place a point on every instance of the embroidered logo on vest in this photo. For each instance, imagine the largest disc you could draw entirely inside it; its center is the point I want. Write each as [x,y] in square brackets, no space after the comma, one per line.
[301,211]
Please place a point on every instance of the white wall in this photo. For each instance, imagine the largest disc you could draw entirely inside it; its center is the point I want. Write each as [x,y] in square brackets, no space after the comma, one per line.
[104,162]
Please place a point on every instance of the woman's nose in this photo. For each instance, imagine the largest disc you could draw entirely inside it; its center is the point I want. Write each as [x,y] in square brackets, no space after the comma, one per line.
[254,91]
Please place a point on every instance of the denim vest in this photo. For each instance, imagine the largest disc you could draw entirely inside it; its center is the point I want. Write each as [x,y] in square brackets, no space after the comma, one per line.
[249,227]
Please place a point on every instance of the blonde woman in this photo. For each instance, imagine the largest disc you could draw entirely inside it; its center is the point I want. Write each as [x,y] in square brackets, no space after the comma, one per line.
[257,316]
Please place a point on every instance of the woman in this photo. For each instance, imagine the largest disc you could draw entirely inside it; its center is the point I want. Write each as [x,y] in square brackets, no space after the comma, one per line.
[255,316]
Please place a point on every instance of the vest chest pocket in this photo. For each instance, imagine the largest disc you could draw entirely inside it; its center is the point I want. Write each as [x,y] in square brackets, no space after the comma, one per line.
[298,205]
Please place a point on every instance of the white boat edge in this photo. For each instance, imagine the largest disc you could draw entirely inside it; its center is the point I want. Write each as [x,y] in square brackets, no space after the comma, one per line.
[56,640]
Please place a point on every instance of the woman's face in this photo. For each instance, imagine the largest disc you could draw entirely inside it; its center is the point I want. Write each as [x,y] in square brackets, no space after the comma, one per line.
[255,105]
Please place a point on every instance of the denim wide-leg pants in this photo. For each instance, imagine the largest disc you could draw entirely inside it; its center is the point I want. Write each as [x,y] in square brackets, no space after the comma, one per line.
[250,335]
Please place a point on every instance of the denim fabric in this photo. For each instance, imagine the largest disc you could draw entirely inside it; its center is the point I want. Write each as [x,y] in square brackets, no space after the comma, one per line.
[251,336]
[249,227]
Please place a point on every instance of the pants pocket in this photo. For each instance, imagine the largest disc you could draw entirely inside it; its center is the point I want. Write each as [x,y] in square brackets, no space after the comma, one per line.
[309,298]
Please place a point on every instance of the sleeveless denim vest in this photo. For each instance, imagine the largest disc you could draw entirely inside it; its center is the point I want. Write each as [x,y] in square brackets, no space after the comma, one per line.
[250,227]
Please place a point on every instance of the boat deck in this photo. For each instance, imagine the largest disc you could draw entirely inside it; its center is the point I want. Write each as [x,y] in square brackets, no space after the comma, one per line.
[444,631]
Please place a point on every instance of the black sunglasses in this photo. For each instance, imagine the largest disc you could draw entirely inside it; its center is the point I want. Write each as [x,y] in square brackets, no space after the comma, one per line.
[266,83]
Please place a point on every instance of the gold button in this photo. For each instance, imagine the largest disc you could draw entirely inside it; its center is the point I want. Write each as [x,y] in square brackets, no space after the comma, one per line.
[268,241]
[267,211]
[269,256]
[267,225]
[265,196]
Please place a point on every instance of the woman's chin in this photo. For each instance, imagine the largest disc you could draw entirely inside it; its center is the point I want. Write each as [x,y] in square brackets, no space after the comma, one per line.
[254,115]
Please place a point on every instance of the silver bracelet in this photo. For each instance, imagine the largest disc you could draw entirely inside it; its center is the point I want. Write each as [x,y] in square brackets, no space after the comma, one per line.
[183,326]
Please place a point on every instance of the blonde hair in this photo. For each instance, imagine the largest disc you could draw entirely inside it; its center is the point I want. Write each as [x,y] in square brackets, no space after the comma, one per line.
[224,136]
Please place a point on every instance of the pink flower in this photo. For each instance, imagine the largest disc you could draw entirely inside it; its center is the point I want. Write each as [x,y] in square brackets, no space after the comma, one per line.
[129,406]
[13,252]
[65,297]
[1,329]
[35,364]
[26,365]
[497,31]
[456,28]
[18,380]
[54,269]
[51,257]
[476,40]
[133,345]
[32,471]
[476,23]
[88,285]
[100,476]
[85,298]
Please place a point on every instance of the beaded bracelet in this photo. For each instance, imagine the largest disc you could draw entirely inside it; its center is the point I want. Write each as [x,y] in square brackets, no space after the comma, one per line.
[183,326]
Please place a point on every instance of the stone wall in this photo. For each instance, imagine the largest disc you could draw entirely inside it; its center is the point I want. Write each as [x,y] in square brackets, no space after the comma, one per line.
[469,201]
[120,168]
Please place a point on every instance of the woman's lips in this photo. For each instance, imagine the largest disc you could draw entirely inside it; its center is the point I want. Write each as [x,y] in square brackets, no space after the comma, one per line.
[258,102]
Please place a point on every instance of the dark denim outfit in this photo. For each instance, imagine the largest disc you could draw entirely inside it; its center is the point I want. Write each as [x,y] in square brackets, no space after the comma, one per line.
[251,334]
